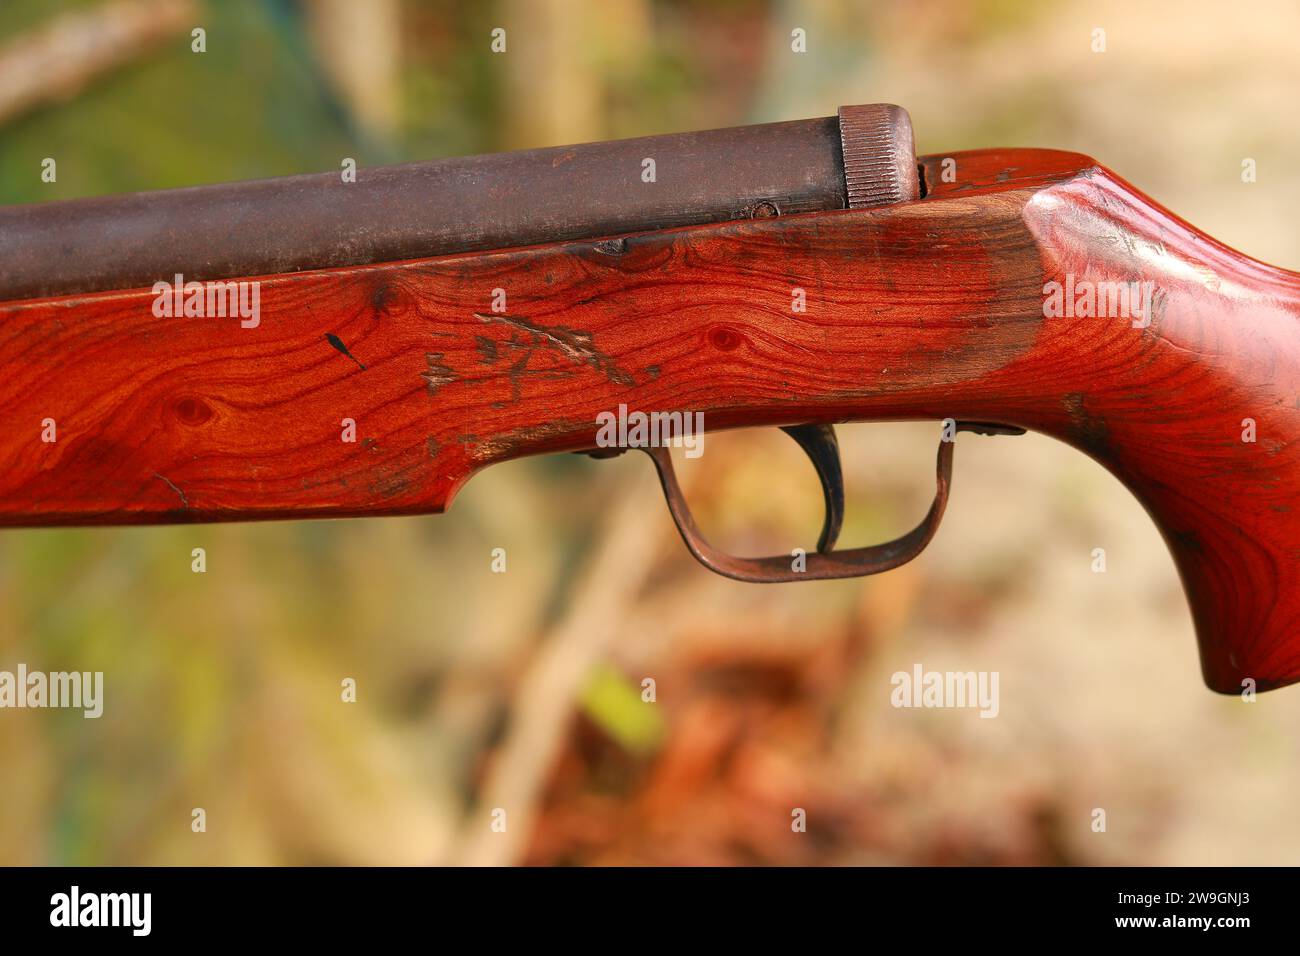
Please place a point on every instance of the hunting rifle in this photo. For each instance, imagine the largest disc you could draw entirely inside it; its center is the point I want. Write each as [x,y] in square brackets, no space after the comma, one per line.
[190,355]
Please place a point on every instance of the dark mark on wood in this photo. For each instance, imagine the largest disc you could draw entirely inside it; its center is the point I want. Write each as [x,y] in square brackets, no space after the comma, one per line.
[1088,430]
[1188,540]
[390,486]
[337,342]
[382,297]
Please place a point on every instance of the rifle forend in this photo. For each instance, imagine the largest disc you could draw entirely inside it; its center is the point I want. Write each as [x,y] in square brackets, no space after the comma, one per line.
[1002,290]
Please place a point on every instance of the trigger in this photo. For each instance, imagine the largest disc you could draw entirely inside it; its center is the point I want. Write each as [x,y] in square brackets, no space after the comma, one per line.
[821,447]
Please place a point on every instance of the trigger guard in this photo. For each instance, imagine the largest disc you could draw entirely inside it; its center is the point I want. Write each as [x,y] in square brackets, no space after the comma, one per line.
[821,565]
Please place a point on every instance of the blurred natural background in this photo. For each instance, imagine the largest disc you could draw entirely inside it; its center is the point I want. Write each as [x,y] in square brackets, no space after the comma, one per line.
[522,690]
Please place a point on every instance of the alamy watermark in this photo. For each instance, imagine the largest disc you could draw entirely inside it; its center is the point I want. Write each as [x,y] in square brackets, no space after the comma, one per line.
[76,690]
[177,299]
[1085,299]
[133,911]
[953,689]
[624,429]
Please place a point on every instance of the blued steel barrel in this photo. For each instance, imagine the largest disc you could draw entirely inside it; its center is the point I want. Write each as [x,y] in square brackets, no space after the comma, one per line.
[471,203]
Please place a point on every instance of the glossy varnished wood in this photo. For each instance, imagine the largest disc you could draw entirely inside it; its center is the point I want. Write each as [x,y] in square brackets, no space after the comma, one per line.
[925,310]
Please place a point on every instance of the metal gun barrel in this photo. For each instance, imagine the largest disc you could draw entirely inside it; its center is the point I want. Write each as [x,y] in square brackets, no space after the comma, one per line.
[465,204]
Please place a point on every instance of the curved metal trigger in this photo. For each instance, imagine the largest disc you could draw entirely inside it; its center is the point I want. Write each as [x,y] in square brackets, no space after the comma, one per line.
[823,450]
[824,564]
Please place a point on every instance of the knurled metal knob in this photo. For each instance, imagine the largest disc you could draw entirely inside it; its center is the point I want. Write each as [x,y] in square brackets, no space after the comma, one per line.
[879,155]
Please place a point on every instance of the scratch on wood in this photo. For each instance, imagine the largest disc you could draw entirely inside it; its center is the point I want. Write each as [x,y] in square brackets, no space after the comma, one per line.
[170,484]
[517,441]
[437,374]
[573,344]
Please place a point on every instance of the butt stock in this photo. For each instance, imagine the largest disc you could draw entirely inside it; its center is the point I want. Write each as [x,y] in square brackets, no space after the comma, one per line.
[1180,378]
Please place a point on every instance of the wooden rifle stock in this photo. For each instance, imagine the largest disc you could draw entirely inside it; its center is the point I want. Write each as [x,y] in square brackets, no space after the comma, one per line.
[938,308]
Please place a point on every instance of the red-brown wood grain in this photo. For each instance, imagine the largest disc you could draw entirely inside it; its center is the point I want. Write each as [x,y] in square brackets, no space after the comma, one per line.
[925,310]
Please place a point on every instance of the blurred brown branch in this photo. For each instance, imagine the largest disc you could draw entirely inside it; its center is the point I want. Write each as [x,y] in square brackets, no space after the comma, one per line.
[57,61]
[544,703]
